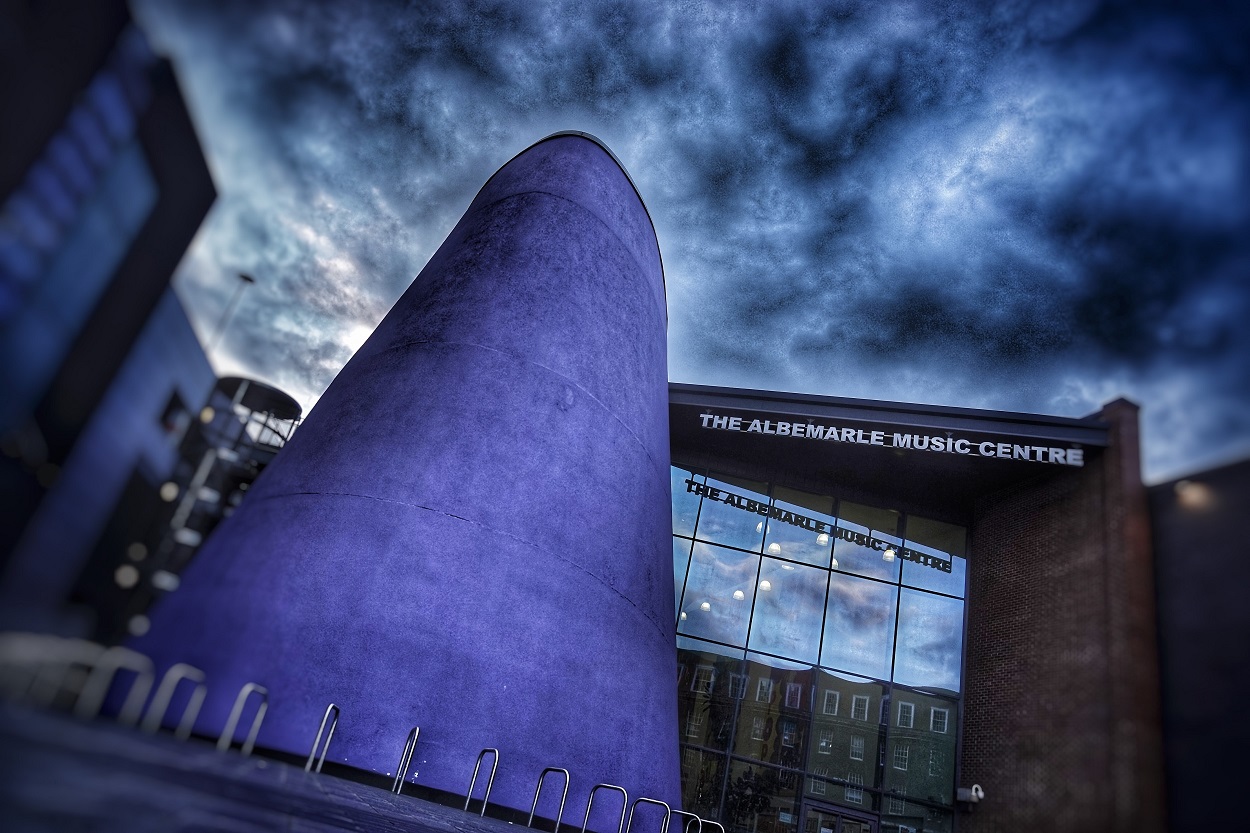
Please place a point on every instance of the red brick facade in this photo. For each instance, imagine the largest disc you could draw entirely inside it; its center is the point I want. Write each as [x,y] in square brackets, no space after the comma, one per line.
[1061,718]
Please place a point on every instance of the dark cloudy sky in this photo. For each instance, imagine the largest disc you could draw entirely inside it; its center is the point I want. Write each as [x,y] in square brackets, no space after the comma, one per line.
[1032,206]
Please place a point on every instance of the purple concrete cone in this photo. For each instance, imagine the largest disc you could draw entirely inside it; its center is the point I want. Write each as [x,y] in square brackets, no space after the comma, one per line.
[470,532]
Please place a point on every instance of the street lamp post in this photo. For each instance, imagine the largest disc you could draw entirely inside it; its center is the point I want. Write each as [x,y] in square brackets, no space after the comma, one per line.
[244,280]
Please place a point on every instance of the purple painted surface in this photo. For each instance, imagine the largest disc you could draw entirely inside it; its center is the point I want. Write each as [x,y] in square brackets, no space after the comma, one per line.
[471,530]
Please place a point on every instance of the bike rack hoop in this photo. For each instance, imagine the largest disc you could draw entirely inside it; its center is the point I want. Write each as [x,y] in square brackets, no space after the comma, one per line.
[668,811]
[405,760]
[564,795]
[165,693]
[317,741]
[236,713]
[490,782]
[694,820]
[620,828]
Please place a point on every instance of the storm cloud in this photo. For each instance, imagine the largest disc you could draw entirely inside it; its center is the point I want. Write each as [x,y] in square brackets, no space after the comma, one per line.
[1026,206]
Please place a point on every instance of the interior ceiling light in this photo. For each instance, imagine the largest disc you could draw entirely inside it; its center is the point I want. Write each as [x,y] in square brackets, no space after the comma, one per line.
[705,607]
[766,585]
[774,548]
[683,615]
[759,527]
[822,538]
[888,555]
[835,564]
[739,595]
[1194,495]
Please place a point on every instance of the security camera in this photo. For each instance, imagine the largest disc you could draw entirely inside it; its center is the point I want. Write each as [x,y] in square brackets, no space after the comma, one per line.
[970,795]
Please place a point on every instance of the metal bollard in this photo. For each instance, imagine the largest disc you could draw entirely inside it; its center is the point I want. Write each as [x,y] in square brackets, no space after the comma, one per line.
[620,828]
[489,783]
[317,741]
[405,760]
[564,795]
[236,712]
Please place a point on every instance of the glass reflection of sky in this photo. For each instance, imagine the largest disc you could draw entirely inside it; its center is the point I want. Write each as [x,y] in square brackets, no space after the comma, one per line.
[788,613]
[930,641]
[859,626]
[685,503]
[795,542]
[729,525]
[918,575]
[709,607]
[865,561]
[681,558]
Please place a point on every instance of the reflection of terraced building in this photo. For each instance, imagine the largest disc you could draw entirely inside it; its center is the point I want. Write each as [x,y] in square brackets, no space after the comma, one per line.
[879,604]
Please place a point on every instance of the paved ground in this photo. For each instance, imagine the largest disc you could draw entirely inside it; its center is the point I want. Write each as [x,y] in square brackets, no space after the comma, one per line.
[61,774]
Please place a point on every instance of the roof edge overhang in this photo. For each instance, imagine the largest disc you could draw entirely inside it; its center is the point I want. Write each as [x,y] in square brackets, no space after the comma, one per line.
[1086,431]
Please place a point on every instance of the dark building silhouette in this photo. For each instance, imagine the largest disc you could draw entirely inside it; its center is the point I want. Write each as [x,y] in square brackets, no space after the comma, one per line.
[1202,568]
[102,186]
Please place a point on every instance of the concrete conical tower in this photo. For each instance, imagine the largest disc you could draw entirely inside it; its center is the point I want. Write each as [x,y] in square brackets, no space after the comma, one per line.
[470,532]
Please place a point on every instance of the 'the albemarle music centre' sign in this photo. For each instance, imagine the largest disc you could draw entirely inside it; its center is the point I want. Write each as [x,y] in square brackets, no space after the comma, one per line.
[920,442]
[813,525]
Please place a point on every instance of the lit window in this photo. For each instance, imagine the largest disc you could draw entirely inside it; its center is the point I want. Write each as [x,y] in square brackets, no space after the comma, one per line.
[789,733]
[764,693]
[695,722]
[853,793]
[817,785]
[901,752]
[857,747]
[737,686]
[937,720]
[825,746]
[831,701]
[704,679]
[859,707]
[906,715]
[935,762]
[794,695]
[757,728]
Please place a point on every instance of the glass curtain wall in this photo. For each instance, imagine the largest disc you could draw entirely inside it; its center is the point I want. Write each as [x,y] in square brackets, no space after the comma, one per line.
[820,647]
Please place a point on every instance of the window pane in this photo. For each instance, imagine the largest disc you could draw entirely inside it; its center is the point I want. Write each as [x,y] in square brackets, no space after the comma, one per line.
[941,541]
[788,610]
[859,626]
[681,560]
[702,774]
[722,518]
[717,603]
[798,541]
[705,709]
[761,798]
[685,501]
[930,641]
[861,549]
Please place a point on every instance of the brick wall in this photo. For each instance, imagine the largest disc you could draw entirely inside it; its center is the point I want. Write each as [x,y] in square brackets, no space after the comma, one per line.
[1061,717]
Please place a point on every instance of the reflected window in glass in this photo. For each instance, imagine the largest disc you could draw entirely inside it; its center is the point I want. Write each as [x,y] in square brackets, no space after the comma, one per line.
[854,794]
[794,695]
[901,753]
[859,707]
[758,726]
[937,720]
[831,702]
[737,686]
[857,747]
[704,679]
[906,715]
[764,691]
